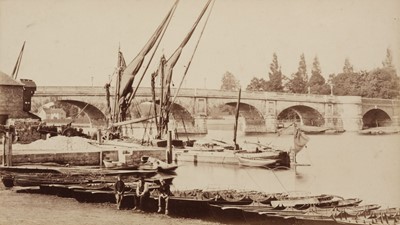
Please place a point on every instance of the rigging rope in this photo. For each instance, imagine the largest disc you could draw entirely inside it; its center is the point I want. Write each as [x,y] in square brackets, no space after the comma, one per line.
[152,56]
[191,59]
[112,76]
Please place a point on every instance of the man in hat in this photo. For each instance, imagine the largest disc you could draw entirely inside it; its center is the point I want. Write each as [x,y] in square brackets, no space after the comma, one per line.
[119,189]
[142,193]
[165,192]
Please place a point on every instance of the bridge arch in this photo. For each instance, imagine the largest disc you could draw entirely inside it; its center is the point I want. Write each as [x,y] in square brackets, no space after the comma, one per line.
[376,118]
[254,121]
[302,114]
[182,118]
[96,116]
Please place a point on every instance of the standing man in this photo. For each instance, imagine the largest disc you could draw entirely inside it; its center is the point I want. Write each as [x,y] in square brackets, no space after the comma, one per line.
[119,189]
[165,192]
[142,193]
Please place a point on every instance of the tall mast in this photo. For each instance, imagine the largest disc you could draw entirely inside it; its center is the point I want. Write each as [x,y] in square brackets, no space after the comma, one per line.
[153,95]
[236,120]
[161,122]
[166,103]
[120,69]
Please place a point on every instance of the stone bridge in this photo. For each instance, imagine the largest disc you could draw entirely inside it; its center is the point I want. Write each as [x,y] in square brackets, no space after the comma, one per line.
[260,111]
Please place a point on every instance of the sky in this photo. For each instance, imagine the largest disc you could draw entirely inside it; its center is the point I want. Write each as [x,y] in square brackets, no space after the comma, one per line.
[75,42]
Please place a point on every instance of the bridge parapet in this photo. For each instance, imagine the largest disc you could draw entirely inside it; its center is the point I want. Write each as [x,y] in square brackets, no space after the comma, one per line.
[184,92]
[346,110]
[300,97]
[374,101]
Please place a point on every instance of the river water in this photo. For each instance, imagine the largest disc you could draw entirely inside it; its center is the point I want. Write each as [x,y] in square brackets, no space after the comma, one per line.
[348,164]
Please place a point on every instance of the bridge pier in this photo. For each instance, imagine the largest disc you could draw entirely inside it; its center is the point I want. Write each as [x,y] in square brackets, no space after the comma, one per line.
[350,109]
[196,126]
[200,123]
[270,123]
[395,121]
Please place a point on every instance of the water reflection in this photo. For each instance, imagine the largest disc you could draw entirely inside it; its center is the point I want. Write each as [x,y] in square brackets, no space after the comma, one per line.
[349,165]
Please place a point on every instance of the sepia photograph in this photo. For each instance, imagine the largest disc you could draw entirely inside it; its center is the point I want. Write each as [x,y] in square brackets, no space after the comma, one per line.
[202,112]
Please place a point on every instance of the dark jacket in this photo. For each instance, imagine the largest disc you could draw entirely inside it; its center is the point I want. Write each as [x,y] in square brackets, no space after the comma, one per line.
[119,186]
[164,189]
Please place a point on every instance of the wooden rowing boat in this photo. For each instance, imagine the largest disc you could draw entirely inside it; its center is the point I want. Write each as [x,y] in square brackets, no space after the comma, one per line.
[256,162]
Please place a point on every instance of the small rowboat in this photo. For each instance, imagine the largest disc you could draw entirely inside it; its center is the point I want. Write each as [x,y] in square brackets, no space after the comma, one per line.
[256,162]
[111,164]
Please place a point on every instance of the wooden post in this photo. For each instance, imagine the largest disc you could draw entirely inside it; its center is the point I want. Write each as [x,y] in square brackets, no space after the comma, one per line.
[10,142]
[169,148]
[101,158]
[4,150]
[7,152]
[99,137]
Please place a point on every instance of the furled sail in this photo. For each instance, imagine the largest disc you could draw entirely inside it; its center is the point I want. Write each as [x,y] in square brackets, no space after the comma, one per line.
[300,140]
[121,66]
[169,66]
[167,74]
[134,66]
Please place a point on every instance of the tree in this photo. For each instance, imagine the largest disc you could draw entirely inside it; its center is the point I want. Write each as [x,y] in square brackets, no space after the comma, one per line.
[388,62]
[348,83]
[229,82]
[257,84]
[347,68]
[317,81]
[275,76]
[299,80]
[381,83]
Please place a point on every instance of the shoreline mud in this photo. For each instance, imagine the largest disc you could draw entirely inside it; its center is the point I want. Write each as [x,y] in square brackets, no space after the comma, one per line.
[31,209]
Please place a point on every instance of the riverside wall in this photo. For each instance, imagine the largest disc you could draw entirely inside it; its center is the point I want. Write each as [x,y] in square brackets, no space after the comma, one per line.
[93,158]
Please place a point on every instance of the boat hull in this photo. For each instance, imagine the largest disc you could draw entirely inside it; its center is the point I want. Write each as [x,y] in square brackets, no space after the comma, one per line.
[256,162]
[280,158]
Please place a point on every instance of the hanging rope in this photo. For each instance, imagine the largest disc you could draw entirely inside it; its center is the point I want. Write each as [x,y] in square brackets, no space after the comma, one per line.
[152,56]
[283,186]
[191,59]
[254,181]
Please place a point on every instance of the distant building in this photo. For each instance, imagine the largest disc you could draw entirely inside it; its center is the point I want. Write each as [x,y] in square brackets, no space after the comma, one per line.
[15,98]
[52,113]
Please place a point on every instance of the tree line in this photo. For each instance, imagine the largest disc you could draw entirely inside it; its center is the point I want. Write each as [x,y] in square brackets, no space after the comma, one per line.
[381,82]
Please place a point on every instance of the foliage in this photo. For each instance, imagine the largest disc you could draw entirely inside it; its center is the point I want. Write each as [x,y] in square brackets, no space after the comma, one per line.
[275,76]
[229,82]
[348,83]
[388,62]
[299,80]
[347,68]
[381,83]
[378,83]
[317,81]
[257,84]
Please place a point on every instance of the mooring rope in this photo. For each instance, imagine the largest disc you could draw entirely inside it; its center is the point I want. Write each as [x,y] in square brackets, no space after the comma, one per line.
[251,177]
[280,182]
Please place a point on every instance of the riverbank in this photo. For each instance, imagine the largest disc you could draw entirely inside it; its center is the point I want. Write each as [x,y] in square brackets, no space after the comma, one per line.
[33,209]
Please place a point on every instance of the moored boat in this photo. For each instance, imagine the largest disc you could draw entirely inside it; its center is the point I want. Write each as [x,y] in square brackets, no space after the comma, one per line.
[256,162]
